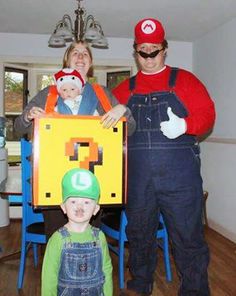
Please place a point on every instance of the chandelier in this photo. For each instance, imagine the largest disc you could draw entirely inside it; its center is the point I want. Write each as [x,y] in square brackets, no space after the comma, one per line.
[85,28]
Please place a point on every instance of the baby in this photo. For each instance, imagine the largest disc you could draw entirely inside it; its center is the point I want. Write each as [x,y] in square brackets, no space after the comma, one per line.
[70,85]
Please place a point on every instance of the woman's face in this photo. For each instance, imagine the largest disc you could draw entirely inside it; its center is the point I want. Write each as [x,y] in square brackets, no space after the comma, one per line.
[80,59]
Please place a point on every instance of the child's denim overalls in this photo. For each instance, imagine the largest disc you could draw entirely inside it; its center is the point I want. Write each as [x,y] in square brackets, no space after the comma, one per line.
[164,174]
[80,272]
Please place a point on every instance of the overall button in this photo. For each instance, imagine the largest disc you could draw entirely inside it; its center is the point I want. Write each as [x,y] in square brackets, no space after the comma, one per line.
[154,99]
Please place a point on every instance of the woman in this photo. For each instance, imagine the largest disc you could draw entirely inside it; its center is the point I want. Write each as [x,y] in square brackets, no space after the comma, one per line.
[78,56]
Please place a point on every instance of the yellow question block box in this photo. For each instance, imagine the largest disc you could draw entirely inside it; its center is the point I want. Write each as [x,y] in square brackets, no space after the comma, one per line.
[61,143]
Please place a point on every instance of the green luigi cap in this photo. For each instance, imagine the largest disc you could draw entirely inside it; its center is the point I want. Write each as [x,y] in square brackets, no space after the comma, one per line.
[80,183]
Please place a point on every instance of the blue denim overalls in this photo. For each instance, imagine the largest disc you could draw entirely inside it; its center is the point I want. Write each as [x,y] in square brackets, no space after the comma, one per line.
[80,272]
[164,175]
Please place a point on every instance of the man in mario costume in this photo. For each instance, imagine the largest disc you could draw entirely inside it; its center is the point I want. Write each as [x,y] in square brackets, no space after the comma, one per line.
[171,108]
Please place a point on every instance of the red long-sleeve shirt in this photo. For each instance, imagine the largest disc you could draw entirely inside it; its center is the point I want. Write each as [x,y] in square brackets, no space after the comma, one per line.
[188,88]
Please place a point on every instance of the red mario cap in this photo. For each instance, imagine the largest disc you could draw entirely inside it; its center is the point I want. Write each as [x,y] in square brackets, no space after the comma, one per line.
[68,75]
[149,31]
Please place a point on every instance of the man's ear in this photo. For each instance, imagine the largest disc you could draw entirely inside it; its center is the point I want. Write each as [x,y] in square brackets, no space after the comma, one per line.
[97,208]
[63,208]
[165,53]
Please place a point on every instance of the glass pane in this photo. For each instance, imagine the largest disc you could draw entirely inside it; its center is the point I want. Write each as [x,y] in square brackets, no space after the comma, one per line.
[13,92]
[44,80]
[10,132]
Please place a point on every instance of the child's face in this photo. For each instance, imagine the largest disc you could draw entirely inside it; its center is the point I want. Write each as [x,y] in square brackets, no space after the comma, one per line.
[80,209]
[69,91]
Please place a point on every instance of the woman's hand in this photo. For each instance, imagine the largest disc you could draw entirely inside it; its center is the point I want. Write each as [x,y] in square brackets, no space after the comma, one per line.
[111,118]
[34,112]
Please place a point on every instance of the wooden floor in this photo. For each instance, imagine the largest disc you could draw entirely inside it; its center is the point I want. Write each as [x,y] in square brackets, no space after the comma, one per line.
[222,270]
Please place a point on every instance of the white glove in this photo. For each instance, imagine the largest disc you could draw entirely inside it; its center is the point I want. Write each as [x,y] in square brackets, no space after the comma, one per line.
[174,127]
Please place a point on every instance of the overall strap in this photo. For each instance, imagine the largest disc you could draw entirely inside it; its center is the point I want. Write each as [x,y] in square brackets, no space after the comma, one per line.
[132,81]
[102,97]
[64,232]
[173,76]
[51,99]
[95,232]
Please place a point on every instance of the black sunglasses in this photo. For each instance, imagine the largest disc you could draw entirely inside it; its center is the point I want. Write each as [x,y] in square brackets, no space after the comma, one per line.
[149,55]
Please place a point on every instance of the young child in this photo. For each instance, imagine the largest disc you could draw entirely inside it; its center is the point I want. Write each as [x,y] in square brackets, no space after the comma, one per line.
[69,84]
[77,260]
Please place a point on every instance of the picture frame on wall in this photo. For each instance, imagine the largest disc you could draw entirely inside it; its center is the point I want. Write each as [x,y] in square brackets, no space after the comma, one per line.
[115,78]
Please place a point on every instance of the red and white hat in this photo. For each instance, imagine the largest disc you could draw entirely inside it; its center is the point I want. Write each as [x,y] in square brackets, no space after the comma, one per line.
[68,75]
[149,30]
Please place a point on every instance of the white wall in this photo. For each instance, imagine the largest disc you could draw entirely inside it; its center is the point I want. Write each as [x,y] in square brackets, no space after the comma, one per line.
[33,48]
[214,61]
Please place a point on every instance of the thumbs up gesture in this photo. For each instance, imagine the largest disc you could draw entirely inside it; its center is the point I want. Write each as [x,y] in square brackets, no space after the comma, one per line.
[174,127]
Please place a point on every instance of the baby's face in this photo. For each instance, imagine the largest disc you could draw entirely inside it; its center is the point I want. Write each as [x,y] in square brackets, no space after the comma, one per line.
[69,91]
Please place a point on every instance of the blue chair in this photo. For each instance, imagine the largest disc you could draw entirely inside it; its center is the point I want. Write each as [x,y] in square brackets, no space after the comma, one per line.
[117,232]
[32,220]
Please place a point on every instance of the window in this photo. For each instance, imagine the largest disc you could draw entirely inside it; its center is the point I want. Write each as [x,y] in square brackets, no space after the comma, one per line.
[44,80]
[15,98]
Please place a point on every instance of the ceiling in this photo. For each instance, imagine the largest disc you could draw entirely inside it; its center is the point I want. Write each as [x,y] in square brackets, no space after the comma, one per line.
[184,20]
